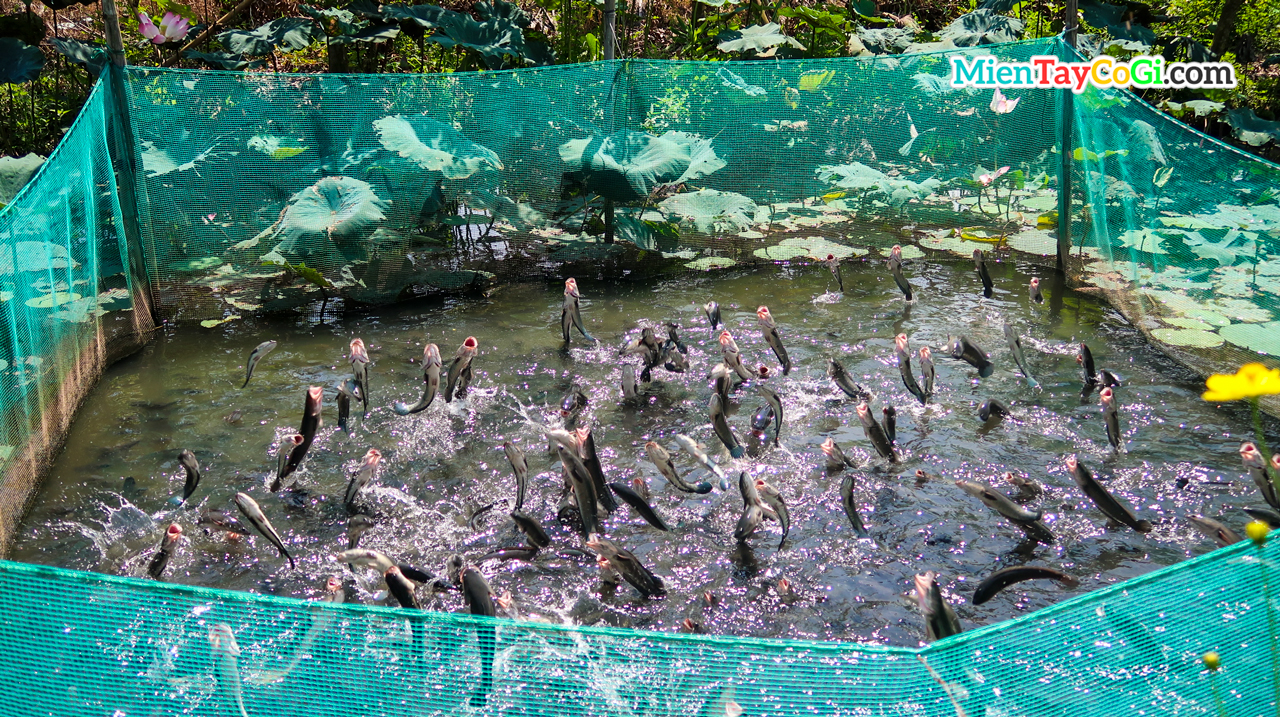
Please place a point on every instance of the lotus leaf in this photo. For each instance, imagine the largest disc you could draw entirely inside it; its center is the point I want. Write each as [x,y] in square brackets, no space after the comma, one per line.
[1043,203]
[1196,324]
[211,323]
[19,62]
[1034,241]
[820,247]
[1143,135]
[223,60]
[756,38]
[1209,317]
[781,253]
[289,33]
[1219,251]
[711,211]
[1243,311]
[15,172]
[885,41]
[911,251]
[982,27]
[427,17]
[207,262]
[434,146]
[751,234]
[49,301]
[1193,338]
[852,176]
[502,10]
[334,206]
[1252,129]
[1143,240]
[91,56]
[1200,108]
[814,80]
[1262,338]
[711,262]
[628,165]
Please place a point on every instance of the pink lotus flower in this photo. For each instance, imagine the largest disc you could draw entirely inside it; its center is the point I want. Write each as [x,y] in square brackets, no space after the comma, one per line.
[987,179]
[173,27]
[1002,105]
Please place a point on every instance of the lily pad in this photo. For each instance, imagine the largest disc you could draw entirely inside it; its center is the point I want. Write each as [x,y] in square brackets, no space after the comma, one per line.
[910,251]
[1143,240]
[207,262]
[1262,338]
[1193,338]
[707,263]
[1243,311]
[1196,324]
[210,323]
[781,253]
[1034,241]
[981,234]
[49,301]
[820,247]
[1209,317]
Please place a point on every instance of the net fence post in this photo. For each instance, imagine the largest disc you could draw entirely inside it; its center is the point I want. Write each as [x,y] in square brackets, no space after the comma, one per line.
[123,158]
[609,37]
[1066,104]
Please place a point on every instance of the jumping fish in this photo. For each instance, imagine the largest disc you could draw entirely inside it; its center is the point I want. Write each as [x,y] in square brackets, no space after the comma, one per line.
[690,446]
[357,526]
[1030,522]
[168,545]
[639,505]
[1034,288]
[349,390]
[628,382]
[431,365]
[478,597]
[311,422]
[733,357]
[520,466]
[840,376]
[769,328]
[192,467]
[836,455]
[833,264]
[1256,464]
[980,265]
[773,499]
[1015,347]
[752,509]
[1085,359]
[220,520]
[571,313]
[939,618]
[1270,517]
[460,370]
[662,459]
[1001,579]
[532,529]
[368,471]
[928,371]
[572,404]
[628,566]
[584,491]
[712,310]
[890,423]
[903,350]
[775,403]
[895,268]
[225,651]
[587,452]
[722,381]
[1214,530]
[1111,416]
[360,367]
[963,349]
[850,505]
[255,517]
[992,408]
[259,352]
[875,433]
[721,427]
[1105,502]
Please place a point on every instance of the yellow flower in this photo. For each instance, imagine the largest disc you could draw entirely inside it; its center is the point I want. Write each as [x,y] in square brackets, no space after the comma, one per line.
[1211,660]
[1257,531]
[1251,381]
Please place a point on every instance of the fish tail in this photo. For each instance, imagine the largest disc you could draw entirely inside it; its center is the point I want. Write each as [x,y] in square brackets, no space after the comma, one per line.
[736,451]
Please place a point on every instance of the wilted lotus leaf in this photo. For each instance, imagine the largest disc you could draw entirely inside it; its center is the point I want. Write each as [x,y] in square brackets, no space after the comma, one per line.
[1193,338]
[711,211]
[1262,338]
[334,206]
[434,146]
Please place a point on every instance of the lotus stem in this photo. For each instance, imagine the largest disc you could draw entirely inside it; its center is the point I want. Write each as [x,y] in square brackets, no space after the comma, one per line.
[1217,697]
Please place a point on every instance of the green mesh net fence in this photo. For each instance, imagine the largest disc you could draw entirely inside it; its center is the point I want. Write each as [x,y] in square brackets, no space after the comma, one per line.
[83,643]
[260,192]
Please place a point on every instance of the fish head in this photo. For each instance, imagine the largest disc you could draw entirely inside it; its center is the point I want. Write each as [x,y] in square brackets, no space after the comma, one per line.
[454,567]
[901,342]
[763,315]
[923,582]
[864,411]
[431,355]
[1072,464]
[896,253]
[571,287]
[829,447]
[222,639]
[726,339]
[784,587]
[602,548]
[1107,397]
[296,439]
[470,345]
[763,371]
[690,626]
[710,599]
[831,260]
[373,457]
[505,600]
[172,534]
[393,572]
[732,709]
[358,351]
[332,585]
[314,395]
[925,354]
[974,489]
[977,256]
[1275,461]
[1035,283]
[583,434]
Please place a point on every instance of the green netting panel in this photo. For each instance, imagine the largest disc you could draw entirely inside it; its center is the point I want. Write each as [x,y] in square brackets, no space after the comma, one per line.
[1179,230]
[63,273]
[83,643]
[370,178]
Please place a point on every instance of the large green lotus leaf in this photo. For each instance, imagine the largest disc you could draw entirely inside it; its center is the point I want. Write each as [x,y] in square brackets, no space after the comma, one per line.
[982,27]
[885,40]
[730,79]
[1243,311]
[334,22]
[495,39]
[711,211]
[288,33]
[757,38]
[1262,338]
[1194,338]
[368,35]
[851,176]
[502,10]
[708,263]
[91,56]
[1252,129]
[19,62]
[334,206]
[427,17]
[1143,240]
[223,60]
[434,146]
[15,172]
[1143,135]
[628,165]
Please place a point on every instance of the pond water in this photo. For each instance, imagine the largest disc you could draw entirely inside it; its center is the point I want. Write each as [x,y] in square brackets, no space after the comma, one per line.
[108,499]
